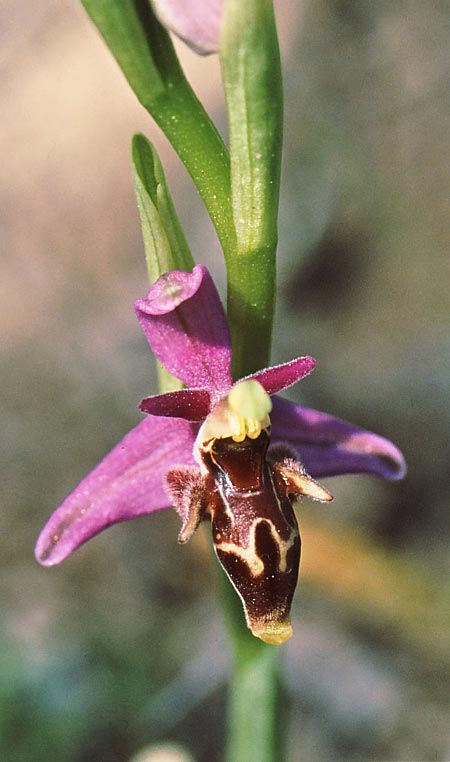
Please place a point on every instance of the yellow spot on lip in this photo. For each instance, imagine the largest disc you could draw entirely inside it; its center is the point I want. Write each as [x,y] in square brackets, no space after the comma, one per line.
[274,633]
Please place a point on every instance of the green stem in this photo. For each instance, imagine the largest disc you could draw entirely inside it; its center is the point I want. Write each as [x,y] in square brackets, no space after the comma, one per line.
[251,73]
[252,712]
[254,689]
[250,308]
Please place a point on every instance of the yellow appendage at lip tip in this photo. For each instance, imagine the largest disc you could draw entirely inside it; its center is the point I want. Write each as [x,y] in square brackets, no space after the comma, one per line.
[274,633]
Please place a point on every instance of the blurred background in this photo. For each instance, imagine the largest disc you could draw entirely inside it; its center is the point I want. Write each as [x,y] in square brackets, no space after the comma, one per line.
[122,648]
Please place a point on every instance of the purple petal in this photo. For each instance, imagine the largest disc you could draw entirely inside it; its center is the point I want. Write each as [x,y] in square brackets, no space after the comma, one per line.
[329,446]
[185,325]
[279,377]
[190,404]
[197,22]
[127,483]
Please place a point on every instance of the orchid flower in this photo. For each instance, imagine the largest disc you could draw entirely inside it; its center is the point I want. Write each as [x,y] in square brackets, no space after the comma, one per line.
[205,450]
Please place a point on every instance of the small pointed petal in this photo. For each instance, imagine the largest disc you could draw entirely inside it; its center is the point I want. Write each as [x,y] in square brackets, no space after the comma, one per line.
[129,482]
[190,404]
[279,377]
[197,22]
[185,325]
[329,446]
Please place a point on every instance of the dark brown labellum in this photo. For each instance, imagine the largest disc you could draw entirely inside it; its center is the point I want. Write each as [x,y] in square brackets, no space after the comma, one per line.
[248,495]
[255,532]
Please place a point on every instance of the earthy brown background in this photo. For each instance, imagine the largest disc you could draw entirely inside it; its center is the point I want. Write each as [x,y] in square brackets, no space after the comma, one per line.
[124,645]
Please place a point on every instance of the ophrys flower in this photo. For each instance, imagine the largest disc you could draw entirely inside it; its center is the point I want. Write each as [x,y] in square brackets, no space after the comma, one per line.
[205,450]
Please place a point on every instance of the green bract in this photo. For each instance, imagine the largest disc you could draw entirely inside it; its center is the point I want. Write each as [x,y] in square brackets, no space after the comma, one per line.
[165,244]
